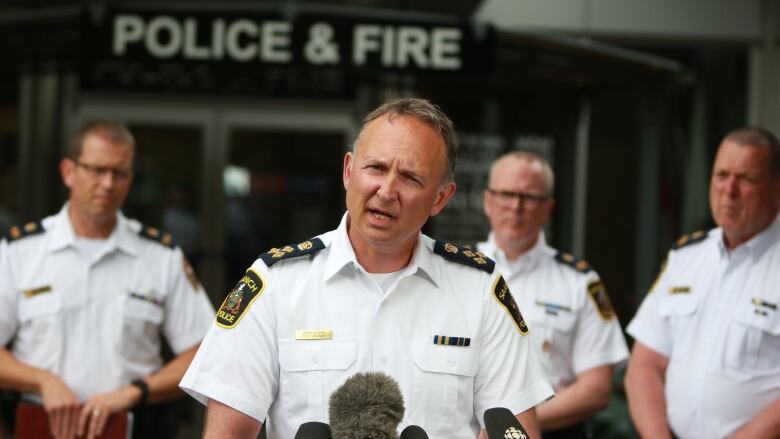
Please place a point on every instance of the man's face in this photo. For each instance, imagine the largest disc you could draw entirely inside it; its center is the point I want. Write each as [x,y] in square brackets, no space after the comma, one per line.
[744,196]
[99,179]
[516,223]
[393,183]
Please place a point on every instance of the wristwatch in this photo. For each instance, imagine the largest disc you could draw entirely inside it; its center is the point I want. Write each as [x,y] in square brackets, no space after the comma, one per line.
[141,384]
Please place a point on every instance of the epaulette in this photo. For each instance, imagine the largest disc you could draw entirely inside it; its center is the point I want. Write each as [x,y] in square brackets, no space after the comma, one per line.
[154,234]
[580,265]
[28,229]
[693,238]
[464,255]
[291,251]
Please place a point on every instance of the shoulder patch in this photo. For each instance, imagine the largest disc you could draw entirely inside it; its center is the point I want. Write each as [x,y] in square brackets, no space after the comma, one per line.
[578,264]
[464,255]
[28,229]
[154,234]
[693,238]
[504,298]
[598,293]
[292,251]
[238,300]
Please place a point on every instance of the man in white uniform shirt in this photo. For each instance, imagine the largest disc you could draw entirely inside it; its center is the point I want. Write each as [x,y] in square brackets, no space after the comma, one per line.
[706,361]
[563,299]
[373,295]
[86,294]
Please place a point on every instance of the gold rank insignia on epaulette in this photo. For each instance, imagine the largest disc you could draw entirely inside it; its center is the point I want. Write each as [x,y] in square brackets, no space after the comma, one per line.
[464,255]
[578,264]
[28,229]
[693,238]
[292,251]
[504,298]
[238,300]
[598,292]
[154,234]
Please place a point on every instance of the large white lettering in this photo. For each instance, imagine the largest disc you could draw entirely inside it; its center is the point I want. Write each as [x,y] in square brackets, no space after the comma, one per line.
[407,46]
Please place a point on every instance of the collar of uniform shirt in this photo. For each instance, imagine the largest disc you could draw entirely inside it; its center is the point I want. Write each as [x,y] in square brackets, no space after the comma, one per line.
[63,236]
[341,254]
[755,246]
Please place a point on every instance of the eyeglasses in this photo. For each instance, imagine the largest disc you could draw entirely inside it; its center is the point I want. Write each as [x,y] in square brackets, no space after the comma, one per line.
[99,171]
[507,198]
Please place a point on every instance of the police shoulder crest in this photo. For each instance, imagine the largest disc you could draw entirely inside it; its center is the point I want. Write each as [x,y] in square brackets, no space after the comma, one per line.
[156,235]
[464,255]
[580,265]
[238,300]
[504,298]
[598,294]
[292,251]
[28,229]
[692,238]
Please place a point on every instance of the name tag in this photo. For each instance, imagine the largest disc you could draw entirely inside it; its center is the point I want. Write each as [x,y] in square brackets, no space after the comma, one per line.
[314,334]
[679,290]
[36,291]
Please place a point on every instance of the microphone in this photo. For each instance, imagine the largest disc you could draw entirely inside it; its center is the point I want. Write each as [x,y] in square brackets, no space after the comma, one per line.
[313,430]
[367,406]
[413,432]
[500,423]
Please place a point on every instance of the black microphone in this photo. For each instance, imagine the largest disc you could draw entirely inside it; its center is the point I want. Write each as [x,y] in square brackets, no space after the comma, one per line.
[500,423]
[414,432]
[313,430]
[367,406]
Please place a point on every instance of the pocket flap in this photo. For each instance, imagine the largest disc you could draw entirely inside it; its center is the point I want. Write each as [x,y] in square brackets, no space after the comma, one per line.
[304,355]
[456,360]
[40,305]
[678,305]
[142,310]
[767,320]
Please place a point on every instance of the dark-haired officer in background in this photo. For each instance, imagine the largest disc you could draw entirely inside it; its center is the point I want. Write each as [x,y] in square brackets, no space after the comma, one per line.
[563,299]
[373,295]
[86,294]
[706,361]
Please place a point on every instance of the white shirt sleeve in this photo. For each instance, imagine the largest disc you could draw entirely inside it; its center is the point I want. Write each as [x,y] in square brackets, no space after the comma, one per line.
[8,297]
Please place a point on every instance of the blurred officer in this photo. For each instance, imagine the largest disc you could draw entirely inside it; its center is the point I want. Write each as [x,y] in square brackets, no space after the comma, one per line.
[706,361]
[85,295]
[373,295]
[563,299]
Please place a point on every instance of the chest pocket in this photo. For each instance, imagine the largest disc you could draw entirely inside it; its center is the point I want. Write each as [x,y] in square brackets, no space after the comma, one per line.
[41,327]
[679,311]
[753,340]
[552,331]
[310,371]
[443,387]
[139,339]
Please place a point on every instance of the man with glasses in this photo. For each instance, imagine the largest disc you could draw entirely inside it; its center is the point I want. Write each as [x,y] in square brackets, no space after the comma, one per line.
[563,299]
[86,294]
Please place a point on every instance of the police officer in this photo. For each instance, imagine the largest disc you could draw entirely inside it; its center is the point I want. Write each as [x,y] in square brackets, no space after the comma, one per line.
[563,299]
[373,295]
[86,293]
[706,360]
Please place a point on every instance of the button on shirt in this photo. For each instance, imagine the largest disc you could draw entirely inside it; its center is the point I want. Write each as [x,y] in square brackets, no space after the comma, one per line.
[259,368]
[563,318]
[96,323]
[715,315]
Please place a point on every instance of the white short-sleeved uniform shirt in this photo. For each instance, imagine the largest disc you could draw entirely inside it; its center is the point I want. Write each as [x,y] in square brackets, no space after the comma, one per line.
[317,319]
[96,323]
[567,308]
[715,315]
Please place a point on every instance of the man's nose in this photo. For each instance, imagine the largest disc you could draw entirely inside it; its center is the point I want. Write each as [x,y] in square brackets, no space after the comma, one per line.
[388,188]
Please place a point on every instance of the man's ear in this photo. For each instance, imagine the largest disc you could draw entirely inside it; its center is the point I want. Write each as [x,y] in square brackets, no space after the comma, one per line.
[347,171]
[67,170]
[442,197]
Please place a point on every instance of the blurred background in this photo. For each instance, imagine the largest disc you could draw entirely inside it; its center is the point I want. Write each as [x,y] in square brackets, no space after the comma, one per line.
[242,111]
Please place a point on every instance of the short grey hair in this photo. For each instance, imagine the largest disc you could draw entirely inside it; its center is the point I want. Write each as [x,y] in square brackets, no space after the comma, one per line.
[426,112]
[114,132]
[760,138]
[547,172]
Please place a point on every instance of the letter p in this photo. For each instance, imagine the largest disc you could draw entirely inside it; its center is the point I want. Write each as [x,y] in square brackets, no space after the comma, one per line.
[127,29]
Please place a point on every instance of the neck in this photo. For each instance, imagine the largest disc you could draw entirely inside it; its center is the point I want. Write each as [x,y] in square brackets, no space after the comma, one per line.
[91,227]
[514,250]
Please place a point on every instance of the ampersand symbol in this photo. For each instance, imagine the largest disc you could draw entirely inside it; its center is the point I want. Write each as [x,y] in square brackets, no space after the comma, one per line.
[321,49]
